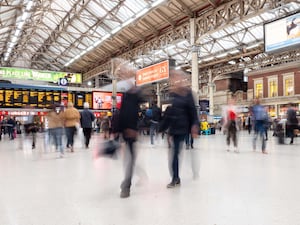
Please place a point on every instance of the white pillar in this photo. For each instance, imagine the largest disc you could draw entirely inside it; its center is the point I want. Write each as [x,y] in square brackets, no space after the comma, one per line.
[114,86]
[211,93]
[97,84]
[195,69]
[158,95]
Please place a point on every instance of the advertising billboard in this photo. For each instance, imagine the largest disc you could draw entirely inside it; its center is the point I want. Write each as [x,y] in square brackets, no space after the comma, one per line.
[103,100]
[153,73]
[39,75]
[282,34]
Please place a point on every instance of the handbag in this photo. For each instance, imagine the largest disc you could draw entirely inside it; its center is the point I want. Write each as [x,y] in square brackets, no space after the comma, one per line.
[108,149]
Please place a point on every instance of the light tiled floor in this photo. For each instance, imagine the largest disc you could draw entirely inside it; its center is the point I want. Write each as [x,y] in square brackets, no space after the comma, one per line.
[249,188]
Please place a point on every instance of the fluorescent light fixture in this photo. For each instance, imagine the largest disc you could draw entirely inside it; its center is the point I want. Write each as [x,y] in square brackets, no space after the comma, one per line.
[170,47]
[208,59]
[234,51]
[181,42]
[177,67]
[14,39]
[11,45]
[76,57]
[29,5]
[158,52]
[156,3]
[97,43]
[115,30]
[20,25]
[17,32]
[90,48]
[105,37]
[9,50]
[127,22]
[231,62]
[24,16]
[253,46]
[141,13]
[5,58]
[222,55]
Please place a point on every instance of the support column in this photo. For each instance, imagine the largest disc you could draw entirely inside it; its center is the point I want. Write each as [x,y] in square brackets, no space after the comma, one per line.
[195,69]
[114,86]
[158,95]
[211,93]
[97,84]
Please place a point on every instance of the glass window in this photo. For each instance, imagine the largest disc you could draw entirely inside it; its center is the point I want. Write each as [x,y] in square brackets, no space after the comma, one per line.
[273,87]
[258,90]
[288,85]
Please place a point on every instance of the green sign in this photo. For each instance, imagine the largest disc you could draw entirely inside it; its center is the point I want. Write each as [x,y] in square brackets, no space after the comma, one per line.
[50,76]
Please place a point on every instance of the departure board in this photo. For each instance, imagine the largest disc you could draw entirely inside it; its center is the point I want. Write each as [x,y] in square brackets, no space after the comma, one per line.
[18,98]
[71,97]
[48,98]
[89,99]
[79,100]
[33,98]
[25,98]
[56,97]
[41,99]
[1,98]
[9,98]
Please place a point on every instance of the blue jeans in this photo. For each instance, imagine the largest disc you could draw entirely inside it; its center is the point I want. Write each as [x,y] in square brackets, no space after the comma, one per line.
[177,144]
[70,132]
[56,133]
[153,130]
[259,129]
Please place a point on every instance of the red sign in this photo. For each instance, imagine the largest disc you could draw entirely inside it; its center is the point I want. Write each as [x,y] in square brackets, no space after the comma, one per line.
[154,73]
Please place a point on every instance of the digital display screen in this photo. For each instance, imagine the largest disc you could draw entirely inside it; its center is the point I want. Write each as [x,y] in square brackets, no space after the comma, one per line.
[56,97]
[89,99]
[48,98]
[9,98]
[1,97]
[25,98]
[79,100]
[33,98]
[41,99]
[71,97]
[282,34]
[103,100]
[18,98]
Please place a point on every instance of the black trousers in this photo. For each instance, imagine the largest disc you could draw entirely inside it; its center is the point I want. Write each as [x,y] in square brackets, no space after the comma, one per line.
[87,132]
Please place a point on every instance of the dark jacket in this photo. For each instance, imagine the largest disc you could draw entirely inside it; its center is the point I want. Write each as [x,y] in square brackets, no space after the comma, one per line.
[156,113]
[182,115]
[86,119]
[128,118]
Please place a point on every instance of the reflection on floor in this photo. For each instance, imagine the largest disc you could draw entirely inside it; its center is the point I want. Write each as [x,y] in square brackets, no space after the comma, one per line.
[249,188]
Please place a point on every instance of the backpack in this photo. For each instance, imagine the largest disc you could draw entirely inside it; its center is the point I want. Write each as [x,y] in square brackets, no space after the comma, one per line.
[149,113]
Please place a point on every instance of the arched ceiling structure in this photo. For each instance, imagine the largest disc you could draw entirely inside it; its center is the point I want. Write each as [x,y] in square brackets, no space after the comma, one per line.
[83,35]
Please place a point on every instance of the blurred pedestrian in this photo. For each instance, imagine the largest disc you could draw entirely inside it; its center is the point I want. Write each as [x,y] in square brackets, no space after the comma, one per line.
[128,124]
[291,122]
[181,120]
[86,120]
[230,116]
[72,120]
[154,120]
[260,118]
[55,125]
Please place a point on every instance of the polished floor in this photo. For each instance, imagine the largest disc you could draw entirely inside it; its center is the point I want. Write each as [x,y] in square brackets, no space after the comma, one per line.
[250,188]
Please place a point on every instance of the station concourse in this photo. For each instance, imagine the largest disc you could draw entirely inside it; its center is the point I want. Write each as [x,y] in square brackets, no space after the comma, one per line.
[248,188]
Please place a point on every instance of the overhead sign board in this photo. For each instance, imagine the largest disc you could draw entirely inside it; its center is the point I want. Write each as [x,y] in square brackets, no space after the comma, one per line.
[283,33]
[154,73]
[49,76]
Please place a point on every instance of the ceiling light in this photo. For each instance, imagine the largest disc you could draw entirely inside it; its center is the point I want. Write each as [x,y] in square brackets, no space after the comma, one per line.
[14,39]
[156,3]
[208,59]
[116,30]
[231,62]
[29,5]
[141,13]
[222,55]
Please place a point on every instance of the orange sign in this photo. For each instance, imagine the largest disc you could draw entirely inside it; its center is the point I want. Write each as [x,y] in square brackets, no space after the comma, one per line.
[154,73]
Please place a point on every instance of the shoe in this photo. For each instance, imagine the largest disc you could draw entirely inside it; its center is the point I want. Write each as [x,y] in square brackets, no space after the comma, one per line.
[125,194]
[264,152]
[228,150]
[33,146]
[72,149]
[173,184]
[61,155]
[236,150]
[192,146]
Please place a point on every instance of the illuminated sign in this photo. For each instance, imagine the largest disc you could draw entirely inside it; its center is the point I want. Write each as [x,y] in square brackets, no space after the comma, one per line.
[154,73]
[49,76]
[103,100]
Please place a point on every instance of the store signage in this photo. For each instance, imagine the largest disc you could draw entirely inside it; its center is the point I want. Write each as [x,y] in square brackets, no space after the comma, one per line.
[49,76]
[154,73]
